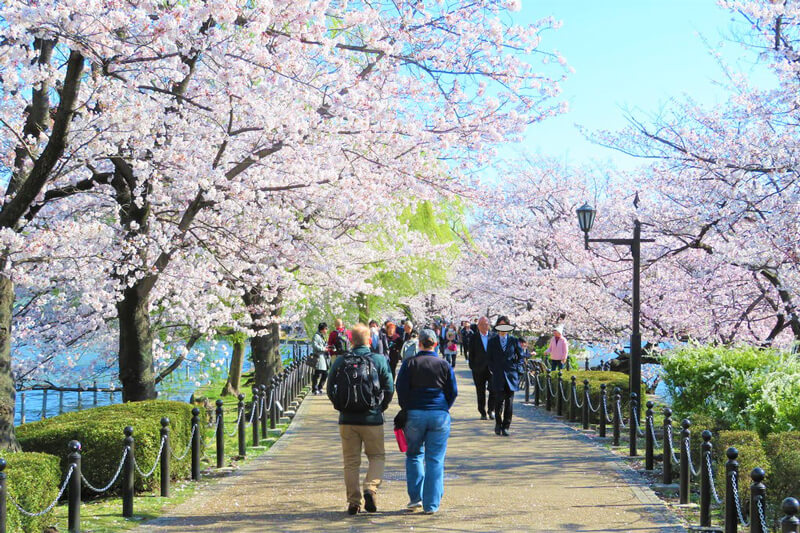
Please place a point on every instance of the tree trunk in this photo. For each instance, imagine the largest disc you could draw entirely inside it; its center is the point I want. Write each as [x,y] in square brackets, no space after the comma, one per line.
[135,347]
[266,349]
[231,387]
[8,440]
[266,345]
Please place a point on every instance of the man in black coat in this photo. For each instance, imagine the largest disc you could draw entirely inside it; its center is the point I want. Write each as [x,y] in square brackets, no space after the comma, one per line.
[505,363]
[479,364]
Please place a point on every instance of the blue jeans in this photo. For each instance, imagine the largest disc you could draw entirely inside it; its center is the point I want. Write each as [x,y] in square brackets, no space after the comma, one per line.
[426,433]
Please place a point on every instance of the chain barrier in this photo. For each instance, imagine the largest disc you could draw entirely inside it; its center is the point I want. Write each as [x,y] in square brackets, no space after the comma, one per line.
[182,456]
[711,480]
[653,434]
[52,504]
[575,398]
[604,402]
[236,424]
[563,395]
[735,487]
[113,479]
[761,516]
[158,458]
[552,392]
[637,424]
[687,449]
[619,413]
[591,407]
[252,413]
[673,457]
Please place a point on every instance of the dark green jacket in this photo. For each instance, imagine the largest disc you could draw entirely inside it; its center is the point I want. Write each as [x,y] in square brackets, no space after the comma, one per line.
[374,417]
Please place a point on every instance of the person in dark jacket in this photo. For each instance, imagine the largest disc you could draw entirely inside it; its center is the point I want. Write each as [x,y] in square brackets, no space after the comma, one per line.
[363,429]
[479,364]
[426,389]
[505,363]
[464,337]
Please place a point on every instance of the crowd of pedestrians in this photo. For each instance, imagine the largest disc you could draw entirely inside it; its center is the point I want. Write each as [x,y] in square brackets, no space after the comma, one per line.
[361,369]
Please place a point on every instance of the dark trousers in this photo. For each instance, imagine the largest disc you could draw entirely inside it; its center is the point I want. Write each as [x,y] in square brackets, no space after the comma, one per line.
[556,365]
[320,375]
[504,407]
[482,378]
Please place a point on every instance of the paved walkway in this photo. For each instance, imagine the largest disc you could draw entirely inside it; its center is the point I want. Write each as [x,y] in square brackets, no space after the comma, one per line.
[545,477]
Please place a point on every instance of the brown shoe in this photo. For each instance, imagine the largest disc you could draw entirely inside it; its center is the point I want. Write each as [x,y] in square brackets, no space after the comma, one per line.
[353,509]
[369,502]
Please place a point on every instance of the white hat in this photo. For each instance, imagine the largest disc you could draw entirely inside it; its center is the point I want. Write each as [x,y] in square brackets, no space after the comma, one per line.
[559,328]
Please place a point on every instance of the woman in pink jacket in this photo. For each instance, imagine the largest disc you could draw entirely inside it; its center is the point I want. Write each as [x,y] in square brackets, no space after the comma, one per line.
[558,349]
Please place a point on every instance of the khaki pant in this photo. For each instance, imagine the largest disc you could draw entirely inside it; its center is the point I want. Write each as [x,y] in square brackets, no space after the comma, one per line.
[352,439]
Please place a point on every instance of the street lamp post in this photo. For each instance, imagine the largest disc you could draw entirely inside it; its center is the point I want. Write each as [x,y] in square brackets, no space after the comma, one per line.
[586,216]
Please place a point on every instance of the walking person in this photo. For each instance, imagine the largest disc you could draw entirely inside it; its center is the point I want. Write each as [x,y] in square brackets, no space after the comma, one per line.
[411,346]
[479,364]
[505,362]
[558,349]
[393,342]
[426,389]
[451,348]
[361,388]
[319,346]
[375,343]
[464,337]
[340,339]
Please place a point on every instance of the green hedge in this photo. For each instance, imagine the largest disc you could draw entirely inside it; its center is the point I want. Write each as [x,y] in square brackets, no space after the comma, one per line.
[751,455]
[33,480]
[100,432]
[783,450]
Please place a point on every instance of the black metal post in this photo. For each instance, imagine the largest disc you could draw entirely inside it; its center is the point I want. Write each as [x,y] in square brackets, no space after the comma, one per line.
[220,438]
[649,462]
[633,426]
[667,463]
[74,501]
[758,500]
[165,458]
[790,523]
[242,427]
[636,336]
[270,399]
[603,409]
[573,400]
[617,413]
[195,444]
[585,412]
[256,407]
[731,479]
[705,480]
[128,474]
[560,395]
[686,478]
[548,396]
[3,509]
[537,393]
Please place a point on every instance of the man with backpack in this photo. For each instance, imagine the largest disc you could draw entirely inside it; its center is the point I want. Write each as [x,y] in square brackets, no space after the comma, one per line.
[361,387]
[340,339]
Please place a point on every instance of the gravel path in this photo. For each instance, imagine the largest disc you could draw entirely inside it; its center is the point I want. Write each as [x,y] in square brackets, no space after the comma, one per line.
[545,477]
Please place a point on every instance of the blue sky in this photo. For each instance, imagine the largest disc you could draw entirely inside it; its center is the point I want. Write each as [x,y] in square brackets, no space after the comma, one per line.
[634,55]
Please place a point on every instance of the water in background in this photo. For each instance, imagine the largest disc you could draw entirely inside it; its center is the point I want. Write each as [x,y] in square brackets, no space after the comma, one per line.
[178,386]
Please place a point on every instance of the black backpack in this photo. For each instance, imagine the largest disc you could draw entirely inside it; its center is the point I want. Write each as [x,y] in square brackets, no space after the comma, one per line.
[356,385]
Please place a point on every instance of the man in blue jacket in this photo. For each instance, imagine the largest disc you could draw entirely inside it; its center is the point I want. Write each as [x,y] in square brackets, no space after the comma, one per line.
[505,363]
[426,388]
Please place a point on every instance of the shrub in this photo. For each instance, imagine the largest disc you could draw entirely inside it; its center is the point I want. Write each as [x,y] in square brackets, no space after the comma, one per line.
[33,482]
[100,432]
[742,387]
[783,475]
[751,455]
